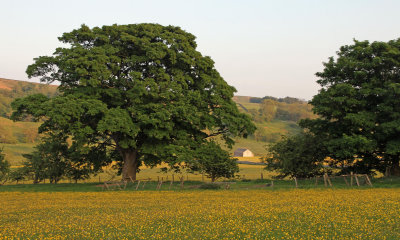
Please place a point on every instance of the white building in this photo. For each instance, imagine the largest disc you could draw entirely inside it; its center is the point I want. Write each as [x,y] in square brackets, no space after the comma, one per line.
[243,152]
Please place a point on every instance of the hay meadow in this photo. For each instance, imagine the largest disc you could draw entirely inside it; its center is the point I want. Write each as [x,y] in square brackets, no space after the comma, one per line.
[251,214]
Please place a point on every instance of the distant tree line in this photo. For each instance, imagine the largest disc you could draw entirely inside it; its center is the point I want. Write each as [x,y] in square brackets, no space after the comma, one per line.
[285,99]
[285,109]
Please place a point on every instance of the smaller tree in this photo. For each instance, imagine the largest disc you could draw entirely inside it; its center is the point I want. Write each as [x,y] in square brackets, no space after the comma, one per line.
[34,167]
[18,174]
[54,158]
[214,162]
[4,168]
[300,155]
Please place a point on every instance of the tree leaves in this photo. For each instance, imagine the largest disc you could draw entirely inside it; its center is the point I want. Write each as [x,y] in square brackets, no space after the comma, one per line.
[359,105]
[137,88]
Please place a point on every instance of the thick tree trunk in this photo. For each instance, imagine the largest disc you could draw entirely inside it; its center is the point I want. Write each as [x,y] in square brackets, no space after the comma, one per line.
[129,168]
[35,179]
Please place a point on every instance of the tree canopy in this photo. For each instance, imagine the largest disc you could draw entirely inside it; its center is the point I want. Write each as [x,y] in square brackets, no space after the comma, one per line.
[359,106]
[214,162]
[141,90]
[298,156]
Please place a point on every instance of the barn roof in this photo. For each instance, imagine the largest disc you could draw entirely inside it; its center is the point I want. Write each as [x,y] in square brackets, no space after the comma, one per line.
[241,150]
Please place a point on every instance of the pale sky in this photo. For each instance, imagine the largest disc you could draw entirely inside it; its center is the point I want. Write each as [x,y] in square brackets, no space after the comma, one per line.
[262,48]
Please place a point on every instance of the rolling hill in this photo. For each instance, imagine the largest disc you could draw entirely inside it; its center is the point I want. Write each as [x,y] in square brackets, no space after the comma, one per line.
[12,89]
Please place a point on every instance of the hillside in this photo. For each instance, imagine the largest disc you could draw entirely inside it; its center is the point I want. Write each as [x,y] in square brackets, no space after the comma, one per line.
[20,137]
[12,89]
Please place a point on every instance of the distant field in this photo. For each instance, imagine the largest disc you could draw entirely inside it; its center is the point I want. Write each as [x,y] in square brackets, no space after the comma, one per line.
[18,132]
[245,214]
[246,172]
[275,129]
[13,152]
[249,106]
[283,127]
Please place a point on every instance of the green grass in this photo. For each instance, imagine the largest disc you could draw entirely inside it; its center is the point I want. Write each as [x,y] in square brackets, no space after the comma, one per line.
[249,105]
[244,184]
[276,126]
[13,152]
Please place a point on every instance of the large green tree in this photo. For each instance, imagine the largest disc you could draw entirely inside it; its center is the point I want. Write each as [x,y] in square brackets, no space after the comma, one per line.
[359,106]
[142,90]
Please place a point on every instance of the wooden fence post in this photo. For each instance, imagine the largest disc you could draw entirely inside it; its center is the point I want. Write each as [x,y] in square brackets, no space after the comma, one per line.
[325,183]
[316,180]
[355,176]
[351,178]
[368,180]
[138,184]
[159,185]
[329,180]
[344,177]
[133,181]
[295,181]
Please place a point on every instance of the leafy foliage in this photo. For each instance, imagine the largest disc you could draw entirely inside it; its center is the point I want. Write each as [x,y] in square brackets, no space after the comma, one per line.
[142,90]
[18,174]
[214,162]
[53,159]
[298,156]
[359,105]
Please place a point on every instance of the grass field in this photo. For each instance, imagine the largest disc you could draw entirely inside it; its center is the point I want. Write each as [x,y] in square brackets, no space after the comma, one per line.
[258,148]
[13,152]
[246,214]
